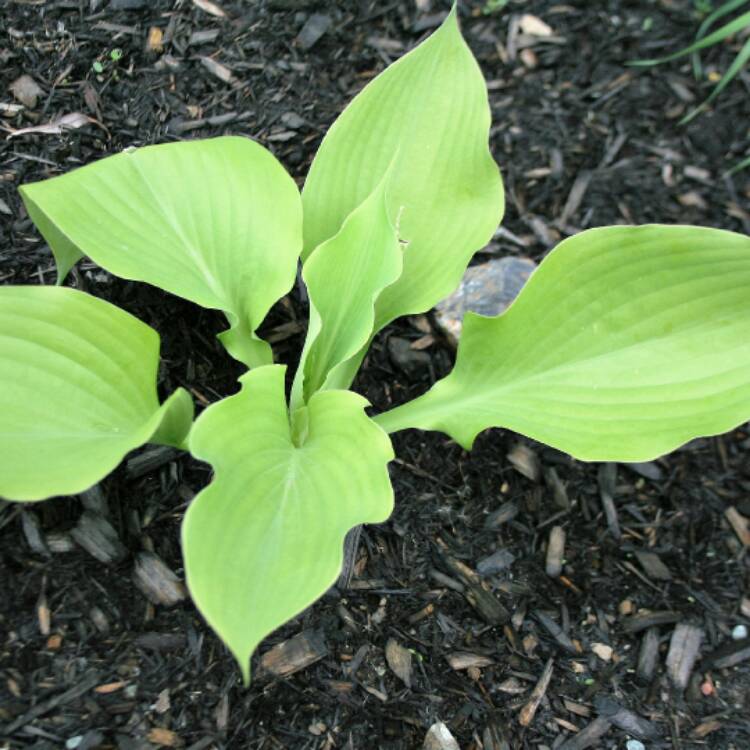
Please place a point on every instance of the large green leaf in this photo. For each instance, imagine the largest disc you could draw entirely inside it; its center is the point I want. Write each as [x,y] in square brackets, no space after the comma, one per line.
[625,343]
[77,391]
[426,117]
[265,539]
[218,222]
[344,277]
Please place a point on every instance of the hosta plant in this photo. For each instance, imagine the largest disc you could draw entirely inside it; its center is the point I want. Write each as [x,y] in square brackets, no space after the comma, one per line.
[624,344]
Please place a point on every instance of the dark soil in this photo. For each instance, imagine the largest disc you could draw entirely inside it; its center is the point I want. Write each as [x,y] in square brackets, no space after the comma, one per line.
[82,651]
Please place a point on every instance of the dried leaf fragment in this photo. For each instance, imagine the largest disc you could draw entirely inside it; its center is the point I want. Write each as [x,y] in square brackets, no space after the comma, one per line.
[512,686]
[534,26]
[399,660]
[211,8]
[110,687]
[525,461]
[155,39]
[71,121]
[465,660]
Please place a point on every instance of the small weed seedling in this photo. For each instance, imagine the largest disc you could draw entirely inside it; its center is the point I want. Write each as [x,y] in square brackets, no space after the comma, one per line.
[115,55]
[625,343]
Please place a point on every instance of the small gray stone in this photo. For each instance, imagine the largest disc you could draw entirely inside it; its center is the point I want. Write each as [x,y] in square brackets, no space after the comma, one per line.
[487,289]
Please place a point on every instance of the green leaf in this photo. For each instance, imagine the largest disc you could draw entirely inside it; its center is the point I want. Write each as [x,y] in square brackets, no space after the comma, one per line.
[427,119]
[77,391]
[265,539]
[344,277]
[217,221]
[625,343]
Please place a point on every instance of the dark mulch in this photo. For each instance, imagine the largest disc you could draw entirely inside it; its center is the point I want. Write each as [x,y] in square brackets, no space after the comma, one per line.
[582,141]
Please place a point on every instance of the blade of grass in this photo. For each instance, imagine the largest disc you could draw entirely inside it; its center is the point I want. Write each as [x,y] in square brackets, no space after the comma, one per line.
[738,24]
[739,62]
[708,22]
[744,164]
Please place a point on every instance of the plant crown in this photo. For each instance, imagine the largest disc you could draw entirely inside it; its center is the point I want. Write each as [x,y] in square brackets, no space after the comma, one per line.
[624,344]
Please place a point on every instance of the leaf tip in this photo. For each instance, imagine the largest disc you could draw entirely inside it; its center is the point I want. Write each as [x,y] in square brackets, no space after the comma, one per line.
[451,20]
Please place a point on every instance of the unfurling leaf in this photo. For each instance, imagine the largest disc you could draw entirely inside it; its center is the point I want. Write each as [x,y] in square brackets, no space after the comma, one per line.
[265,539]
[217,222]
[625,343]
[427,119]
[344,277]
[77,391]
